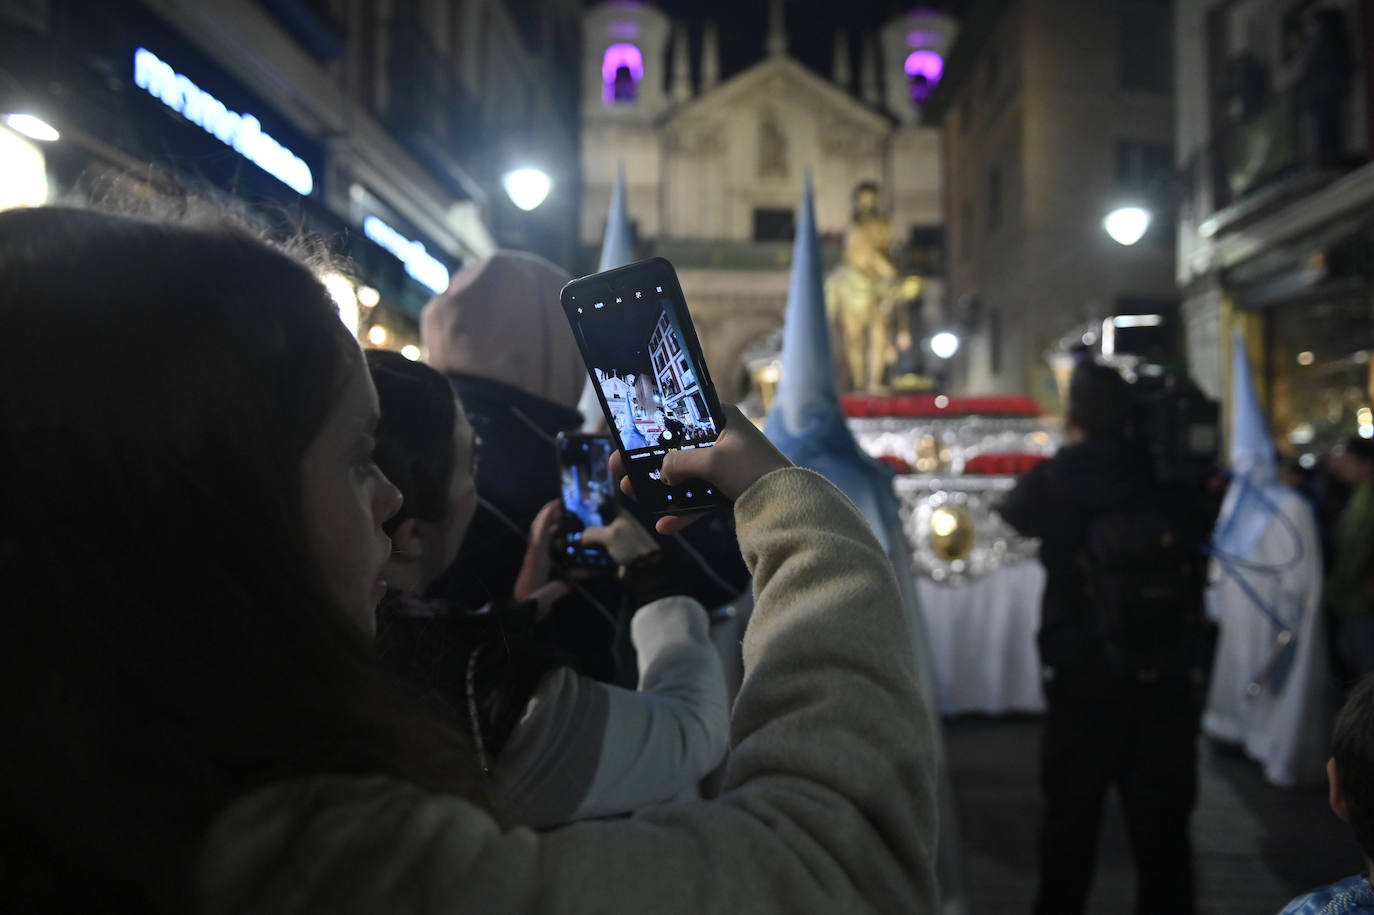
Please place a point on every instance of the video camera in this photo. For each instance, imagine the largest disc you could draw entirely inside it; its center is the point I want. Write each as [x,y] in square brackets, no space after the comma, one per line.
[1177,426]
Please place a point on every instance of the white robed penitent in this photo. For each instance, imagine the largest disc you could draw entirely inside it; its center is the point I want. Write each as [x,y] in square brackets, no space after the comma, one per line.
[1268,687]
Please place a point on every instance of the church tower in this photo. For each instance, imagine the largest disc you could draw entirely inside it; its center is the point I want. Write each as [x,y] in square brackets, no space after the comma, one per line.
[624,93]
[914,49]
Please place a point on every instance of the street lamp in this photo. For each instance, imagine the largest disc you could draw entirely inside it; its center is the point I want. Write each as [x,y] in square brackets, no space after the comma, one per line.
[35,128]
[527,187]
[944,344]
[1127,225]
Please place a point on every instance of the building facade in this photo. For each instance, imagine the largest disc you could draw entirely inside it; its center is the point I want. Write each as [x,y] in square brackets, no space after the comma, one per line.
[1054,113]
[382,126]
[1275,235]
[714,168]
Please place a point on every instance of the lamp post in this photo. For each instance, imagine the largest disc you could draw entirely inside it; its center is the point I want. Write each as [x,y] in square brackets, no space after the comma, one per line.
[527,187]
[1127,225]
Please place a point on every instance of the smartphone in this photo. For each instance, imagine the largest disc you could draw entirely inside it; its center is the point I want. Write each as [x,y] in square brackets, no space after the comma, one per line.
[589,491]
[645,364]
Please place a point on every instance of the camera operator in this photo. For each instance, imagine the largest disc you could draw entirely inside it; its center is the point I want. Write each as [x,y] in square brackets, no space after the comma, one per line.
[1118,639]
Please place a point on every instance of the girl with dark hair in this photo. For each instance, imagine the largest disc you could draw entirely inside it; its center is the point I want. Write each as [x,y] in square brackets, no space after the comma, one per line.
[190,550]
[190,504]
[559,746]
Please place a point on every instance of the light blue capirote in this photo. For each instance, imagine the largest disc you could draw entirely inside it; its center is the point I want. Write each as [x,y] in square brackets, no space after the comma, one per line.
[1246,514]
[617,250]
[807,424]
[1249,511]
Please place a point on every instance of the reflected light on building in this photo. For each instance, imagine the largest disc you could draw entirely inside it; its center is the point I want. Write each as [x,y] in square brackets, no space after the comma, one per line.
[377,335]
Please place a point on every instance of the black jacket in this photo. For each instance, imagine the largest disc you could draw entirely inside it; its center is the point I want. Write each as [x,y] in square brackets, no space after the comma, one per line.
[517,474]
[1056,501]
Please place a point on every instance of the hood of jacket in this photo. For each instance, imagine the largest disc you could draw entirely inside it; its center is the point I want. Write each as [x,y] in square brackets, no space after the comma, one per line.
[501,319]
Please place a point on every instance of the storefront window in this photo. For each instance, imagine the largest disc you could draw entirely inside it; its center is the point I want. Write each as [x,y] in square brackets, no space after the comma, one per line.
[1319,370]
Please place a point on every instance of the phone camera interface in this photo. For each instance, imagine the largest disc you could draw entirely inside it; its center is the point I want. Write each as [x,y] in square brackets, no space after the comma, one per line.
[649,380]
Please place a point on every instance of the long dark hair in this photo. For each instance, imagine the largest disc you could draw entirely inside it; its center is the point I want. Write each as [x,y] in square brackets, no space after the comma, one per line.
[415,434]
[165,645]
[491,662]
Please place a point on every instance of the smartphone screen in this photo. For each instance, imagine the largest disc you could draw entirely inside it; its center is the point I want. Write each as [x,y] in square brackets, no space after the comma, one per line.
[589,492]
[644,358]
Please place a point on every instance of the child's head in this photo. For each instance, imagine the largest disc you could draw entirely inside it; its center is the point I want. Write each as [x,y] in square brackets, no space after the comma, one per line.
[1351,768]
[190,538]
[426,446]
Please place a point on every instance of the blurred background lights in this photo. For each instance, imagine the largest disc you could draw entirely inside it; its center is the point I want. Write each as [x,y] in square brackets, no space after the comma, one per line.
[411,352]
[34,128]
[345,299]
[527,187]
[944,344]
[377,335]
[23,172]
[1306,358]
[1127,225]
[368,297]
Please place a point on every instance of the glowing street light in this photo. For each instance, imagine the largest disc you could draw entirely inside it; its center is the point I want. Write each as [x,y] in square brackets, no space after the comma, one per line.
[944,344]
[527,187]
[34,128]
[1127,225]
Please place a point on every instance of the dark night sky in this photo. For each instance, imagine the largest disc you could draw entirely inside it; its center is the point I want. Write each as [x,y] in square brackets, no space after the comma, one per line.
[741,26]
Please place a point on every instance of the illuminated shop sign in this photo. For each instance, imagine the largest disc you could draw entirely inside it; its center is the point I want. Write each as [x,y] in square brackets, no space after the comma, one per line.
[419,263]
[240,131]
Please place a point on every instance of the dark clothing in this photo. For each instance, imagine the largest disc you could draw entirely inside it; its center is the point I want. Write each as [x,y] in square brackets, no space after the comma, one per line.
[1142,737]
[672,433]
[1056,501]
[517,474]
[1103,726]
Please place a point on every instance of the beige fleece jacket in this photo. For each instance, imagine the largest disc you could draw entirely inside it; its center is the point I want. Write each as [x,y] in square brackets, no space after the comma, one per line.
[828,802]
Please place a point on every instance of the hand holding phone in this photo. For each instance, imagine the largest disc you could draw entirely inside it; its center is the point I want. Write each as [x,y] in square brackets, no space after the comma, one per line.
[589,500]
[624,538]
[646,366]
[533,581]
[741,457]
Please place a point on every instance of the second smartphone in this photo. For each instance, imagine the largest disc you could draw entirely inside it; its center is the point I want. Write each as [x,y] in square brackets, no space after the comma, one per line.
[589,498]
[645,363]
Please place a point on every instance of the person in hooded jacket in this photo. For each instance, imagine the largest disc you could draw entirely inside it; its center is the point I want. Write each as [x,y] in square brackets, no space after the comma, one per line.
[499,334]
[1105,725]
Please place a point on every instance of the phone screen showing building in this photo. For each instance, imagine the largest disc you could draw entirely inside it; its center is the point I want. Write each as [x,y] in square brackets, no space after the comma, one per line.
[637,352]
[639,345]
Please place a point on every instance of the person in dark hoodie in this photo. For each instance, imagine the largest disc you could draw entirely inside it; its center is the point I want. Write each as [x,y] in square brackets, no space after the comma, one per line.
[1111,720]
[499,334]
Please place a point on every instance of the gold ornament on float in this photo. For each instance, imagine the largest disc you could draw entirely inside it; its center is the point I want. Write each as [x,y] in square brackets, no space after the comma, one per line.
[953,532]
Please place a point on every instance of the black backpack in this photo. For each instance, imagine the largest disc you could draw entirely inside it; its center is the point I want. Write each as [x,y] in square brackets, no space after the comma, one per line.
[1144,575]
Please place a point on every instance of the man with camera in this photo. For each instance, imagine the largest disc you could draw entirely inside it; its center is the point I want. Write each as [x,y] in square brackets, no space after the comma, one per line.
[1122,524]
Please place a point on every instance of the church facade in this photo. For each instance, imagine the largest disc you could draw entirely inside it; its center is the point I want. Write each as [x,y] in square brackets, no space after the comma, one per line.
[714,169]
